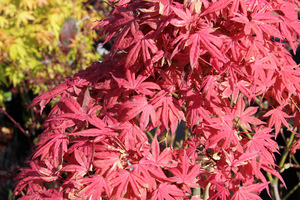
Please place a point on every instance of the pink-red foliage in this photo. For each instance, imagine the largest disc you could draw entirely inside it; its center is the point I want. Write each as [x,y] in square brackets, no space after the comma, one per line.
[205,64]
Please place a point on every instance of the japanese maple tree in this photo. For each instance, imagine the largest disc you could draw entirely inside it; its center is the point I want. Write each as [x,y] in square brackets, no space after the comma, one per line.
[186,105]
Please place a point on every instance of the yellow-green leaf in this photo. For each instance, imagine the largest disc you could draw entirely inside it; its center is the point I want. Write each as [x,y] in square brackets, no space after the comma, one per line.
[3,22]
[10,10]
[23,17]
[28,4]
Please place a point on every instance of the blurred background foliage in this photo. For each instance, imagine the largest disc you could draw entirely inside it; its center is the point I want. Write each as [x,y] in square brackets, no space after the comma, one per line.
[42,42]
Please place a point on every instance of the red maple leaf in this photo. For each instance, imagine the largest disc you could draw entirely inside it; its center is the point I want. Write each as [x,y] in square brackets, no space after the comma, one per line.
[123,20]
[54,143]
[220,189]
[261,68]
[185,17]
[234,161]
[123,181]
[44,98]
[244,115]
[226,136]
[44,194]
[186,174]
[217,6]
[84,164]
[250,192]
[195,109]
[157,158]
[277,118]
[166,191]
[144,46]
[262,142]
[130,134]
[168,110]
[106,159]
[94,187]
[75,112]
[259,23]
[135,106]
[137,84]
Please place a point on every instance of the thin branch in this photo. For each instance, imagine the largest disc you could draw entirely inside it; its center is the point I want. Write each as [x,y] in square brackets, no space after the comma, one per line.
[206,192]
[291,191]
[150,135]
[14,122]
[275,189]
[285,154]
[295,104]
[244,129]
[295,160]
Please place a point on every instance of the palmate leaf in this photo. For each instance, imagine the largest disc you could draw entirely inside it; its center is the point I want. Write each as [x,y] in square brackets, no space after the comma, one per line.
[44,194]
[123,20]
[144,46]
[185,17]
[79,113]
[290,77]
[43,99]
[261,141]
[107,160]
[244,115]
[195,50]
[23,17]
[195,109]
[40,172]
[217,6]
[131,134]
[234,161]
[94,187]
[137,84]
[277,118]
[157,158]
[151,173]
[221,190]
[250,192]
[209,86]
[166,191]
[168,110]
[54,142]
[139,104]
[204,38]
[212,44]
[133,54]
[84,164]
[259,23]
[122,179]
[186,174]
[225,137]
[260,67]
[287,30]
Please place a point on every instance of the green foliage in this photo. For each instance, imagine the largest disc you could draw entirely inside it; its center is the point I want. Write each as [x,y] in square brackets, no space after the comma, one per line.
[31,53]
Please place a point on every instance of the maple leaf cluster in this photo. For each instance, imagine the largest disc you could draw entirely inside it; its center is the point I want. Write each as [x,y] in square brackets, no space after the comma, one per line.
[215,68]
